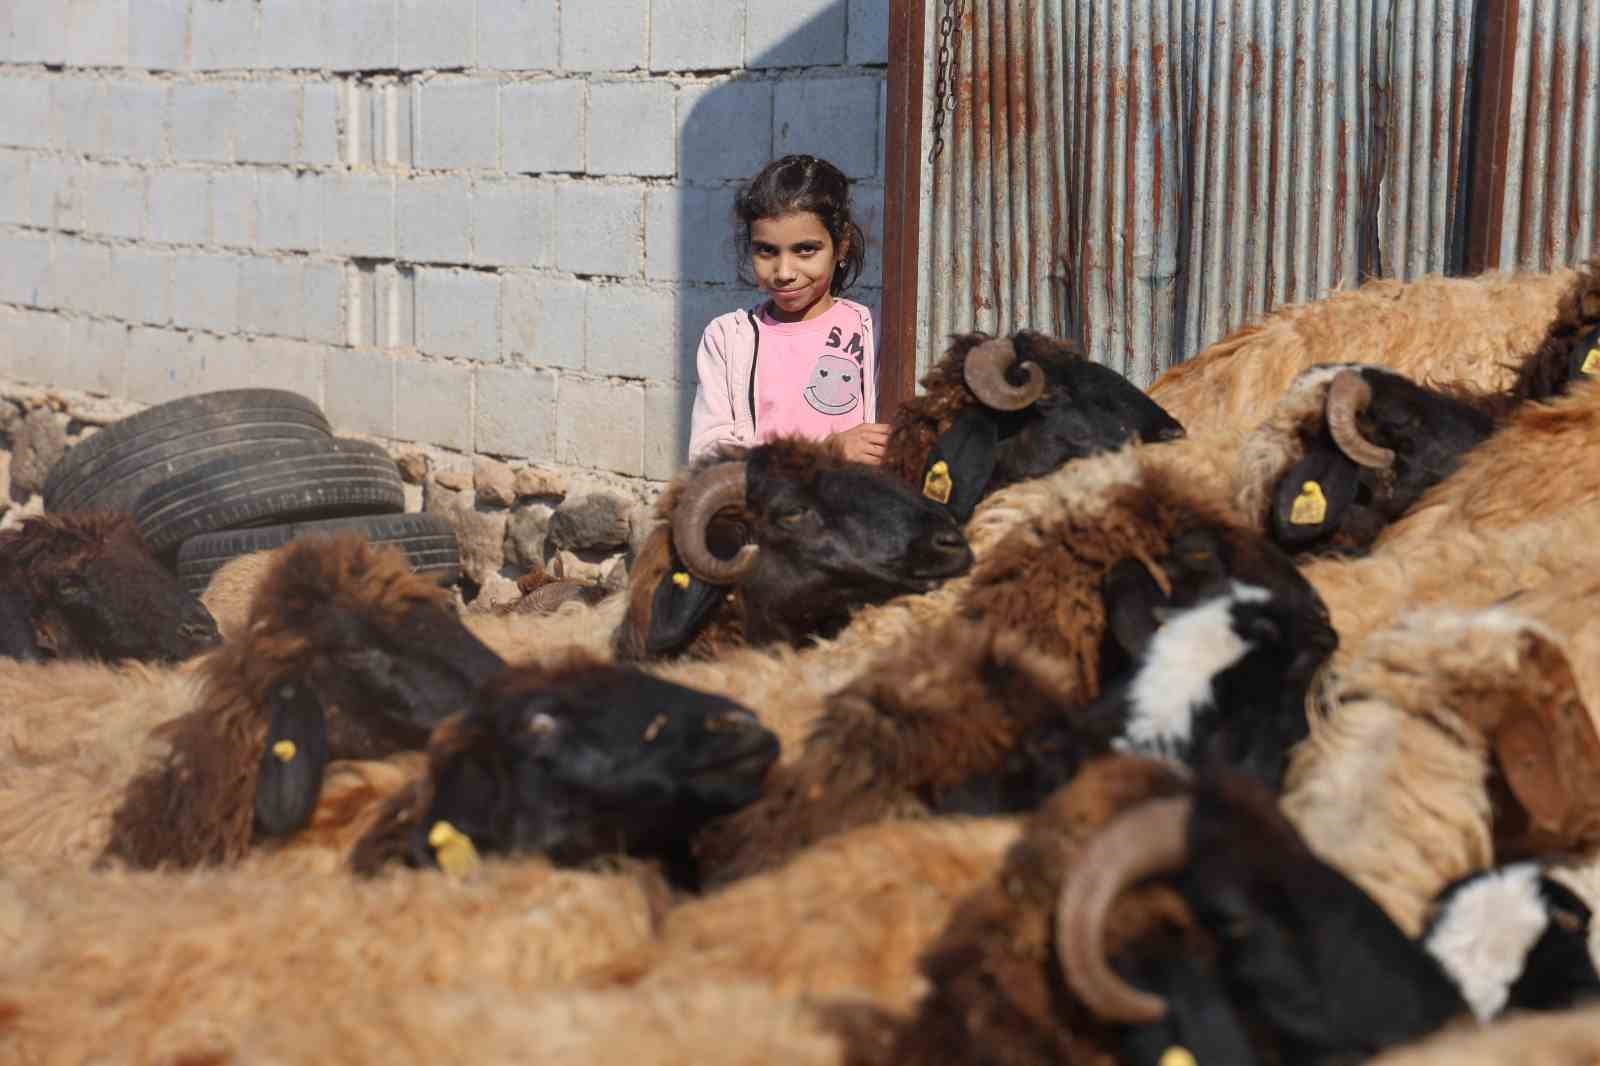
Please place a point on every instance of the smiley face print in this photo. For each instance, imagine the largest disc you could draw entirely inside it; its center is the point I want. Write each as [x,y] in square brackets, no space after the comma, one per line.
[835,385]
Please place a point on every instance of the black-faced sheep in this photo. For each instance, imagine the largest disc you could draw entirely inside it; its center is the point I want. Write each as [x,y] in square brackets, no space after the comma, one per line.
[348,655]
[998,411]
[576,765]
[780,543]
[92,589]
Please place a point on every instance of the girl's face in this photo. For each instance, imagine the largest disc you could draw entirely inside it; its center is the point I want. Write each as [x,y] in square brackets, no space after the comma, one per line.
[793,259]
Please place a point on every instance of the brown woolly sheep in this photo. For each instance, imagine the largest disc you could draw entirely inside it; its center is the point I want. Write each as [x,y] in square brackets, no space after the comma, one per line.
[1468,330]
[1568,1039]
[1449,741]
[232,589]
[348,654]
[93,589]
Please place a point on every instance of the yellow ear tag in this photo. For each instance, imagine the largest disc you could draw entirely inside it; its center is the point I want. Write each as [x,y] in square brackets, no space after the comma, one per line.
[937,485]
[1310,507]
[1591,362]
[1177,1055]
[453,849]
[284,750]
[681,579]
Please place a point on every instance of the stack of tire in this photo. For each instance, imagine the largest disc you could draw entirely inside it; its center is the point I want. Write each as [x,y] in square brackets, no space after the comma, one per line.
[221,474]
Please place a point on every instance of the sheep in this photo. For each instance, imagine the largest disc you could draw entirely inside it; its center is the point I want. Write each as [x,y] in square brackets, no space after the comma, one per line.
[1467,330]
[812,537]
[348,654]
[1569,1039]
[1395,786]
[232,589]
[576,764]
[973,429]
[1023,639]
[93,589]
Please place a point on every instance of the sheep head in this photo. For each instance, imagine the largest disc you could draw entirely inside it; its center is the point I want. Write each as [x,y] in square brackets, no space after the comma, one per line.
[94,590]
[593,761]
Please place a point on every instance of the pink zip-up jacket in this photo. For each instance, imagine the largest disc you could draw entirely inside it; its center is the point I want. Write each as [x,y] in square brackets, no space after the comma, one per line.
[724,401]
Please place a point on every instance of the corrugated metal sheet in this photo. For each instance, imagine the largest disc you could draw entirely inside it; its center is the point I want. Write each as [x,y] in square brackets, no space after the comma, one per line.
[1147,174]
[1552,187]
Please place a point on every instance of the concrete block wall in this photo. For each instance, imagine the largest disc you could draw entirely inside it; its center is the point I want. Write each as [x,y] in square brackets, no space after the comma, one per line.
[496,226]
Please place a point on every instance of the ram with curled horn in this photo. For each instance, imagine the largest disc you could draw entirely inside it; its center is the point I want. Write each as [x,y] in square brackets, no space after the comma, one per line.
[995,411]
[777,544]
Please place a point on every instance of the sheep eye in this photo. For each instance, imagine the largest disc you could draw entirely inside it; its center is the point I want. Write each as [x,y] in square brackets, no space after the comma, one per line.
[792,519]
[1569,922]
[653,730]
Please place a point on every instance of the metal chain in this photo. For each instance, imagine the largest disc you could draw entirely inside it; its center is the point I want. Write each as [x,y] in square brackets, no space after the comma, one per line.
[944,88]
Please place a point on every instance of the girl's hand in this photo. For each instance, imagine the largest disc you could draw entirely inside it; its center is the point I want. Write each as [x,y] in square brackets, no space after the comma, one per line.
[861,444]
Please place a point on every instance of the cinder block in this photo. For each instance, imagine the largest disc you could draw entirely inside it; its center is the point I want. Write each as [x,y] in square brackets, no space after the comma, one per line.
[162,365]
[518,35]
[433,219]
[99,351]
[288,210]
[600,424]
[141,285]
[631,128]
[794,33]
[222,34]
[361,34]
[319,130]
[25,111]
[516,412]
[358,215]
[437,34]
[38,32]
[7,12]
[264,363]
[724,130]
[323,296]
[97,33]
[13,186]
[180,211]
[77,115]
[836,118]
[455,124]
[359,391]
[205,292]
[630,332]
[433,403]
[599,229]
[55,192]
[37,343]
[270,293]
[24,269]
[542,125]
[233,206]
[271,113]
[667,408]
[542,320]
[158,34]
[688,234]
[202,121]
[866,204]
[114,201]
[458,314]
[695,35]
[868,42]
[135,121]
[603,35]
[293,35]
[513,222]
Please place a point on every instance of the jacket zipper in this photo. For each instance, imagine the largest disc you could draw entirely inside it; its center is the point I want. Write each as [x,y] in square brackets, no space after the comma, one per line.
[755,356]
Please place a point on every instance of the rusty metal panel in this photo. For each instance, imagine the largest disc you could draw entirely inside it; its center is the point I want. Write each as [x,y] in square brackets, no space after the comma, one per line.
[1552,116]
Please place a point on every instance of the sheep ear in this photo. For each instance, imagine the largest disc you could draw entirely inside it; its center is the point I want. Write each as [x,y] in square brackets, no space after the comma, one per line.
[678,609]
[962,461]
[1528,762]
[289,781]
[18,639]
[1135,606]
[1312,497]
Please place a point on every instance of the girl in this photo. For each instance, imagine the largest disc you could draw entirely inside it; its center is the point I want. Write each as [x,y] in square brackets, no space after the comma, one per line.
[802,361]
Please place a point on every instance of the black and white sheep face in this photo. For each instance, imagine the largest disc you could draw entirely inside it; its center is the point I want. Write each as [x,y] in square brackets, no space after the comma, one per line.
[605,762]
[1514,938]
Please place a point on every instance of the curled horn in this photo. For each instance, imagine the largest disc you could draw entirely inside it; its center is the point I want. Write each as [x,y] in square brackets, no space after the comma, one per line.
[985,372]
[717,487]
[1150,839]
[1348,396]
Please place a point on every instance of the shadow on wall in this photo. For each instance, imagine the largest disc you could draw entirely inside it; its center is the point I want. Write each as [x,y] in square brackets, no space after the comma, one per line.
[814,81]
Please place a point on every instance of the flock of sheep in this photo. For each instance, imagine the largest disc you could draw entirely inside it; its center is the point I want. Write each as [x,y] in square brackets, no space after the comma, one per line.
[1243,720]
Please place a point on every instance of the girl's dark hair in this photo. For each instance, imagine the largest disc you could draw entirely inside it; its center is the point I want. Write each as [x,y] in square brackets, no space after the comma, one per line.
[802,183]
